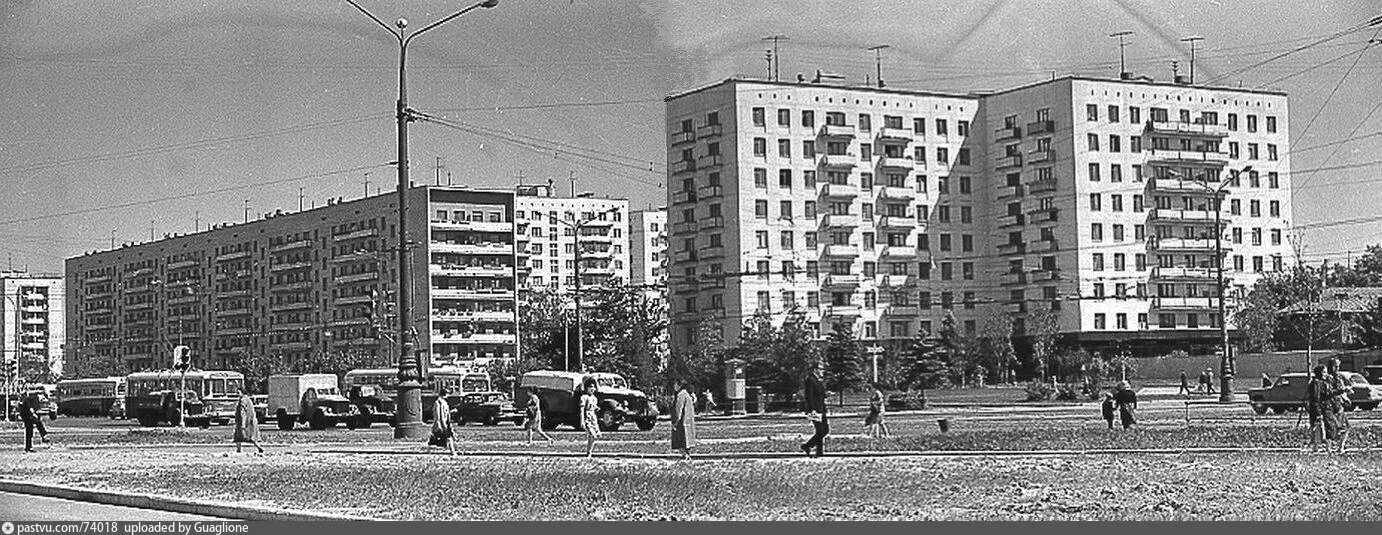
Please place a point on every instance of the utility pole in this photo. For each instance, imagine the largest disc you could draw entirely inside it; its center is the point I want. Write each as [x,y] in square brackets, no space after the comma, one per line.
[438,170]
[572,176]
[151,230]
[300,198]
[768,55]
[1192,40]
[777,56]
[1122,61]
[878,62]
[197,221]
[367,184]
[247,210]
[112,238]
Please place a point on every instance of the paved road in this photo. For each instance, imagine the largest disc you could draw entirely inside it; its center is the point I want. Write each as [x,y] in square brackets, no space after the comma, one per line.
[17,507]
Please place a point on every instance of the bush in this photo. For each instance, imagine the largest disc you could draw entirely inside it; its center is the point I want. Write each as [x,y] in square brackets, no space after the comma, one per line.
[1039,391]
[1067,392]
[1178,354]
[910,400]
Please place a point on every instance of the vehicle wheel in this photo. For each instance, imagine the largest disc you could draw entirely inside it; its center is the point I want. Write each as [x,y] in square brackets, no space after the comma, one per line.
[609,420]
[146,419]
[364,421]
[206,424]
[549,424]
[492,420]
[518,422]
[1278,410]
[646,425]
[174,416]
[351,423]
[285,422]
[1259,409]
[318,422]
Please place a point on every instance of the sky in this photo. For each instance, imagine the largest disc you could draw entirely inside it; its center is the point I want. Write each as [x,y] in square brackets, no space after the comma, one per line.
[126,118]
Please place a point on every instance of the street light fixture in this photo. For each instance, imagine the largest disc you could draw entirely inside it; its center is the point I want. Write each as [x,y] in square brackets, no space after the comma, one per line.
[580,338]
[409,409]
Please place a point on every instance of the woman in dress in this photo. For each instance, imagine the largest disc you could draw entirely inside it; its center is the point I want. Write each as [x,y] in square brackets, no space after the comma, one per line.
[246,423]
[533,415]
[1127,404]
[590,421]
[874,420]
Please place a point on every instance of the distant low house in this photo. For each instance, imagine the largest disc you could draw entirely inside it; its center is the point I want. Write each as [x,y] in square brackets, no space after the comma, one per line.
[1335,316]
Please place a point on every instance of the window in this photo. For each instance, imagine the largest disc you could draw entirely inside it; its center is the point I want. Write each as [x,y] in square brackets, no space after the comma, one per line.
[1115,172]
[1256,264]
[1271,124]
[1117,232]
[760,209]
[947,271]
[784,117]
[1257,236]
[1167,321]
[1117,204]
[1271,152]
[1274,208]
[785,210]
[784,148]
[760,147]
[1112,113]
[1115,144]
[808,118]
[865,123]
[941,129]
[1233,149]
[1252,123]
[1235,207]
[1273,180]
[759,117]
[945,242]
[1094,142]
[1252,151]
[1095,202]
[1134,114]
[1255,208]
[762,236]
[1100,322]
[1091,112]
[1098,261]
[962,158]
[760,178]
[943,156]
[962,128]
[1276,236]
[1120,262]
[965,184]
[919,126]
[1134,144]
[808,149]
[1096,231]
[1094,172]
[967,243]
[784,178]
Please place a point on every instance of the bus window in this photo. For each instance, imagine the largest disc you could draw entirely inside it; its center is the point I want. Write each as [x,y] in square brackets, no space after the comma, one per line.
[234,384]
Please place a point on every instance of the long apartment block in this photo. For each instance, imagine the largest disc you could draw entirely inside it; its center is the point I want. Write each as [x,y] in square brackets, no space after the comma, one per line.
[317,281]
[888,209]
[547,239]
[32,307]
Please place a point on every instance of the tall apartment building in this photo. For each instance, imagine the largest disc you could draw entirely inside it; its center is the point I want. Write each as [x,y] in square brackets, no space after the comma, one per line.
[547,226]
[317,281]
[31,324]
[887,208]
[648,247]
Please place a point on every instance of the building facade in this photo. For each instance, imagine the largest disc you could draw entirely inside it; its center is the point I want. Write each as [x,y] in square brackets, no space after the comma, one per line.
[547,239]
[32,330]
[313,282]
[648,248]
[888,209]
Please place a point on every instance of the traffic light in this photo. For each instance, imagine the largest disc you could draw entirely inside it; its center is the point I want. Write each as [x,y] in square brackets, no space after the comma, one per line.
[182,358]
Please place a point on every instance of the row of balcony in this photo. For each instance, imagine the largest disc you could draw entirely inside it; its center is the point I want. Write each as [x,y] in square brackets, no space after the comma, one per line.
[473,226]
[704,132]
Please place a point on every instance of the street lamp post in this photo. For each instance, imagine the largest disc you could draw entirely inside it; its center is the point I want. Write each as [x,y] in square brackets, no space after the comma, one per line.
[580,339]
[1226,368]
[409,409]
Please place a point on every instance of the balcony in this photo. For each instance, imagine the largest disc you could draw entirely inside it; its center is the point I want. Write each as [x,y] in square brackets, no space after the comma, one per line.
[684,166]
[711,192]
[897,222]
[1011,248]
[839,191]
[353,300]
[181,264]
[1185,303]
[712,223]
[684,256]
[897,163]
[1005,134]
[97,279]
[1197,130]
[145,271]
[293,305]
[451,270]
[894,134]
[841,221]
[897,193]
[710,161]
[840,251]
[1202,245]
[473,294]
[358,277]
[473,316]
[710,130]
[289,266]
[897,281]
[362,233]
[682,137]
[838,131]
[1006,193]
[1013,278]
[1045,246]
[606,270]
[841,311]
[841,281]
[1007,162]
[1184,273]
[290,286]
[1181,187]
[898,253]
[1041,156]
[502,227]
[713,251]
[684,197]
[684,227]
[1184,216]
[1041,127]
[504,249]
[290,346]
[287,246]
[1041,186]
[903,311]
[477,338]
[1190,158]
[42,321]
[597,253]
[839,161]
[1012,220]
[234,255]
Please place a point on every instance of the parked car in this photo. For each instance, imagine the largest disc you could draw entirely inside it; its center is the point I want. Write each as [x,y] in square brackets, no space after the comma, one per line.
[488,408]
[313,398]
[1289,390]
[559,393]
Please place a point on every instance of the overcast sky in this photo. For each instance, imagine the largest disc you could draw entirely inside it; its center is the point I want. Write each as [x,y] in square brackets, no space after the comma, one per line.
[120,102]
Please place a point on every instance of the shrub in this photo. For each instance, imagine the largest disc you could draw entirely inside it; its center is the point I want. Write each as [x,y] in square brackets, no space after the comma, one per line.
[1039,391]
[1067,392]
[1178,354]
[909,400]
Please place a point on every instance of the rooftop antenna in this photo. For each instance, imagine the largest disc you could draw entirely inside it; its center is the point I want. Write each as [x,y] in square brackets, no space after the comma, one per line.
[573,184]
[1122,61]
[151,230]
[768,55]
[448,177]
[367,184]
[112,238]
[438,178]
[878,61]
[247,210]
[1192,40]
[197,222]
[777,56]
[1175,69]
[300,198]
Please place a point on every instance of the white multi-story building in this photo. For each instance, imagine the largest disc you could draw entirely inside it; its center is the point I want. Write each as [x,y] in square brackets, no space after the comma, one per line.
[648,248]
[547,228]
[889,208]
[31,324]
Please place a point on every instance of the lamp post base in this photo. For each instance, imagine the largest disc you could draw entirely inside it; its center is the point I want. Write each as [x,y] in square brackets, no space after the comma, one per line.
[1225,388]
[408,422]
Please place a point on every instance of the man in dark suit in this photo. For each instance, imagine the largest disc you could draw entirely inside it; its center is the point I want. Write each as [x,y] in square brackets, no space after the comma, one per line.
[815,410]
[28,412]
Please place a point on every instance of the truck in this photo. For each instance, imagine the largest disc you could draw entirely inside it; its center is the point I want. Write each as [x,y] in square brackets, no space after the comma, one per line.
[1289,392]
[372,392]
[312,398]
[559,394]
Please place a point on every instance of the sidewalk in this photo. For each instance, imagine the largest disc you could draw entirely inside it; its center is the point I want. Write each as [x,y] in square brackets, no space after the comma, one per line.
[218,509]
[794,455]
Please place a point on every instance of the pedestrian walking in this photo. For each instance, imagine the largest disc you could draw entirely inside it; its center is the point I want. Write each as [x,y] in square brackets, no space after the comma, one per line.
[1184,384]
[1266,381]
[816,411]
[683,421]
[710,405]
[246,423]
[28,412]
[979,375]
[1107,408]
[442,433]
[590,416]
[1313,406]
[532,418]
[873,421]
[1127,404]
[1209,380]
[1335,399]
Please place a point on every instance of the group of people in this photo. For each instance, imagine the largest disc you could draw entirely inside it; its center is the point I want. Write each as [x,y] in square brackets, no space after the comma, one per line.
[1123,402]
[1206,384]
[1326,397]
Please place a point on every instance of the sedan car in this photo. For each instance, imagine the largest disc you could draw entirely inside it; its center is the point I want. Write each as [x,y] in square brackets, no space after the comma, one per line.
[488,408]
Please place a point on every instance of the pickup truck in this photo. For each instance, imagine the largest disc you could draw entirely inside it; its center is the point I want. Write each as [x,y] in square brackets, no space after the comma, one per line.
[1288,393]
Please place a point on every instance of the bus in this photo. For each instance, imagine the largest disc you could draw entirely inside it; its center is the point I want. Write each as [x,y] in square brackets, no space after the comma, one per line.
[89,397]
[157,397]
[458,380]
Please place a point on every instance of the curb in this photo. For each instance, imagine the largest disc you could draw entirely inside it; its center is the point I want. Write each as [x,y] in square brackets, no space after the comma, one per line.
[164,503]
[849,454]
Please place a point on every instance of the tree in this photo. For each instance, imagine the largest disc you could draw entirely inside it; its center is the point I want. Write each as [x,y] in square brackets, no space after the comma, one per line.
[1043,327]
[545,334]
[1070,363]
[699,365]
[1121,367]
[843,361]
[928,365]
[1369,325]
[954,346]
[97,365]
[1365,271]
[1265,310]
[257,368]
[996,345]
[777,358]
[625,333]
